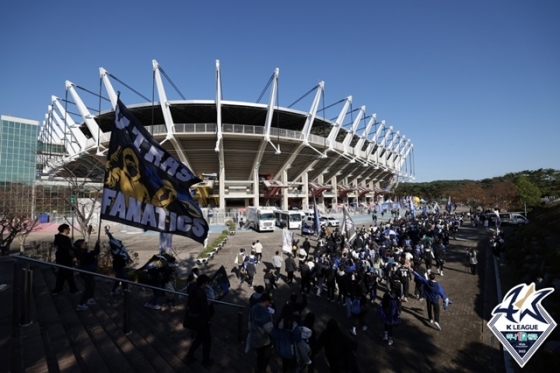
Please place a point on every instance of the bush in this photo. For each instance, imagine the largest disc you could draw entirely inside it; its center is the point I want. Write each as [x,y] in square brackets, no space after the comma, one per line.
[214,244]
[231,225]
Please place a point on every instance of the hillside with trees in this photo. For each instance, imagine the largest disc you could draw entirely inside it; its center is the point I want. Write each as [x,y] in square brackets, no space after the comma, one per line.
[510,191]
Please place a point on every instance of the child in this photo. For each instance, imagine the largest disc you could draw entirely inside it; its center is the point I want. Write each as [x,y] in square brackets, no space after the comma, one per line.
[88,262]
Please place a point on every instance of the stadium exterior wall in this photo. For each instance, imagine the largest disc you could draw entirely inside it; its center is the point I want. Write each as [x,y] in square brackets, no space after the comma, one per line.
[300,159]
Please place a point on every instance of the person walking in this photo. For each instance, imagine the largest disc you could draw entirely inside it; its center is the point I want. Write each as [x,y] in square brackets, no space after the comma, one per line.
[358,310]
[389,313]
[472,260]
[260,326]
[197,318]
[439,253]
[87,260]
[277,263]
[240,262]
[64,255]
[432,292]
[291,267]
[269,281]
[120,260]
[340,349]
[250,270]
[258,247]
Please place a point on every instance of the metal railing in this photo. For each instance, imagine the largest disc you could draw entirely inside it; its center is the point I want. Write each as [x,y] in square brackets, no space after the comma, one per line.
[27,281]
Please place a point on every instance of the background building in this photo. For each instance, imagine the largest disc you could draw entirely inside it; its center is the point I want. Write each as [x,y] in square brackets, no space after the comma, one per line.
[18,147]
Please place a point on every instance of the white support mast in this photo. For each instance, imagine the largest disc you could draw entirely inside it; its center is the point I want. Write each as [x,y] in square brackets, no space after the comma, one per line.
[270,111]
[91,124]
[72,126]
[306,131]
[167,117]
[220,141]
[70,143]
[363,137]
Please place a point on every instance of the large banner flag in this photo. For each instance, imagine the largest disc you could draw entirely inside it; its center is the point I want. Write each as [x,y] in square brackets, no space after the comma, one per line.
[498,221]
[220,283]
[165,243]
[316,221]
[287,240]
[145,186]
[448,205]
[348,226]
[412,208]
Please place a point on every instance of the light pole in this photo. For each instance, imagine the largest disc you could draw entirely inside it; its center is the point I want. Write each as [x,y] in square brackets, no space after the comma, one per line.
[72,201]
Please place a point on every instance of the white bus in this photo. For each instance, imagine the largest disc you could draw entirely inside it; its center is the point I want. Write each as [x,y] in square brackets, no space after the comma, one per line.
[288,219]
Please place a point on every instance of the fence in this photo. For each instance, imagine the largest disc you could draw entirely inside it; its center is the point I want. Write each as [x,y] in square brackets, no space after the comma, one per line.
[26,274]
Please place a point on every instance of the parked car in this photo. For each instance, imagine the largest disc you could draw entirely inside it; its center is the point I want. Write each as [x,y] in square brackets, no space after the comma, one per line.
[332,221]
[513,218]
[508,218]
[309,220]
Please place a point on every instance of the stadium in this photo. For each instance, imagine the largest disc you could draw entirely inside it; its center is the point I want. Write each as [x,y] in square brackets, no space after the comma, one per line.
[247,154]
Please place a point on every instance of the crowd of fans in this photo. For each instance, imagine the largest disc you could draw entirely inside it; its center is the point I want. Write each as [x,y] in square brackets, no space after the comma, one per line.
[400,257]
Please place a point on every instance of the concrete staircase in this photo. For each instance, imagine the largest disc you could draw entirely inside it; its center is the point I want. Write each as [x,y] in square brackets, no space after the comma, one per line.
[61,339]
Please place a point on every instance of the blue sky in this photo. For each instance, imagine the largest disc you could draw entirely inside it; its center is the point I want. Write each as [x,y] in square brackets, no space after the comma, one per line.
[474,84]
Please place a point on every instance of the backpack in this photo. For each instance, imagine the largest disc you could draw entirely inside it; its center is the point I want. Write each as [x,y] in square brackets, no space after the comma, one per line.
[356,307]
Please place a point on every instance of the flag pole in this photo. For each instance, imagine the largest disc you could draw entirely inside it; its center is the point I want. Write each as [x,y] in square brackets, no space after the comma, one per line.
[100,220]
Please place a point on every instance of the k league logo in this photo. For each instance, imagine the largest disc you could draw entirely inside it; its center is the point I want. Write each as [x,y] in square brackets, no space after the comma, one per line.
[521,323]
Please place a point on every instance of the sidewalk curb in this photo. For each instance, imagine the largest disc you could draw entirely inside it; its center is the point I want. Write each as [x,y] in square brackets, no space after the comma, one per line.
[508,360]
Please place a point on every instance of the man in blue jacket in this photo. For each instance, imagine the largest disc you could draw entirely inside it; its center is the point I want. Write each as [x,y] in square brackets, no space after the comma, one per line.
[432,292]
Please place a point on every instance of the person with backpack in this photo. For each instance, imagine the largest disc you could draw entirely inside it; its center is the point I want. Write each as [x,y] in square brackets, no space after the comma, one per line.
[389,313]
[287,338]
[250,269]
[260,326]
[358,310]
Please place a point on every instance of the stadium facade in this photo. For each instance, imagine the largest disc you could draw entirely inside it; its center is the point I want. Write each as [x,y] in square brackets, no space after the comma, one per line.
[246,153]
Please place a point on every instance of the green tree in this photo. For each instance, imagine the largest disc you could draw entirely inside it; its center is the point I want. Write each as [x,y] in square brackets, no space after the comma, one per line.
[527,192]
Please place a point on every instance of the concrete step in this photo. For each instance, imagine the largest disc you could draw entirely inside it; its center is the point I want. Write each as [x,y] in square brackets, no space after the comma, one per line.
[62,339]
[76,345]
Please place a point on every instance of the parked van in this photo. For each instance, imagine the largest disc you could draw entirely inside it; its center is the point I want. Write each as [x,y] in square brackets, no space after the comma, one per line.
[508,218]
[513,218]
[288,219]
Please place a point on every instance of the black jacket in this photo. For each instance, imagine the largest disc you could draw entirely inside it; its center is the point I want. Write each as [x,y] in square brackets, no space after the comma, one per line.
[88,258]
[290,264]
[64,250]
